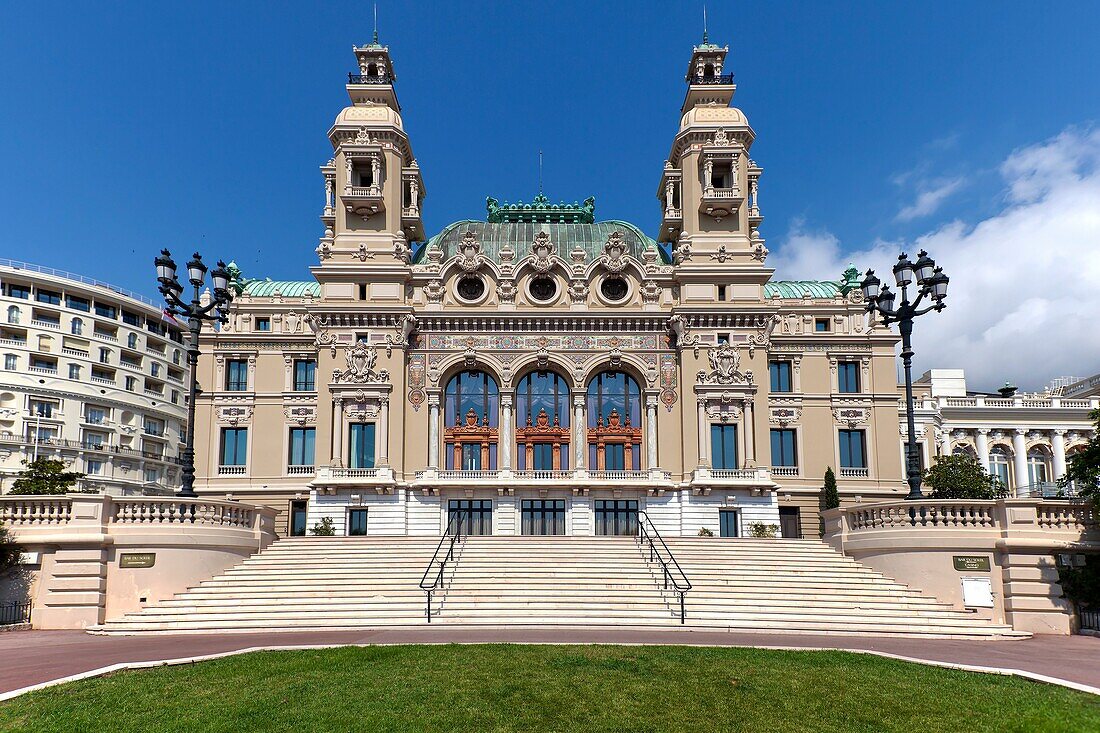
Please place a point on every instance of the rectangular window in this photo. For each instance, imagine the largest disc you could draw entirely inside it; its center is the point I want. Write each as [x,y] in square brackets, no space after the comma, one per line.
[298,519]
[361,445]
[723,446]
[614,457]
[853,449]
[780,372]
[236,375]
[357,522]
[40,363]
[783,448]
[821,325]
[43,408]
[47,296]
[131,383]
[723,338]
[152,475]
[542,517]
[301,447]
[721,292]
[471,516]
[107,311]
[154,369]
[847,376]
[727,523]
[11,362]
[471,457]
[94,440]
[93,467]
[905,457]
[616,517]
[104,356]
[263,324]
[234,446]
[544,456]
[78,304]
[74,371]
[305,375]
[17,291]
[95,415]
[131,318]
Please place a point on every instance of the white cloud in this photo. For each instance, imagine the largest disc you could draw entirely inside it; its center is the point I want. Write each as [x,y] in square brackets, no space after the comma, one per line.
[929,198]
[1024,296]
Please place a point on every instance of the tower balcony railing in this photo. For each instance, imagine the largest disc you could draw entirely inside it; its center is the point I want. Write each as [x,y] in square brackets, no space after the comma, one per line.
[722,194]
[354,78]
[712,79]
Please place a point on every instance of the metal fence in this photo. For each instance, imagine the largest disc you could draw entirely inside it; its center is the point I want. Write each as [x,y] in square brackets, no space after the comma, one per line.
[1090,618]
[15,613]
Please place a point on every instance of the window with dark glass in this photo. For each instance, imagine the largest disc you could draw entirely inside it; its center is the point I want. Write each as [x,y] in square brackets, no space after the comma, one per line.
[723,446]
[847,376]
[263,324]
[357,522]
[853,449]
[614,422]
[131,318]
[471,516]
[542,422]
[905,457]
[721,292]
[783,448]
[780,373]
[107,311]
[616,517]
[298,514]
[543,517]
[47,296]
[234,447]
[471,288]
[305,373]
[301,446]
[543,288]
[614,288]
[13,290]
[361,445]
[821,325]
[471,405]
[727,523]
[80,304]
[236,375]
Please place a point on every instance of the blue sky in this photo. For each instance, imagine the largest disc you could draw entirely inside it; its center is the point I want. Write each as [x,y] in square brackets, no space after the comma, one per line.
[128,127]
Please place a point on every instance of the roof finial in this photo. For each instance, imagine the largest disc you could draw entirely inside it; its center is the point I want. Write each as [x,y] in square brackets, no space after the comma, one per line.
[376,24]
[704,24]
[540,172]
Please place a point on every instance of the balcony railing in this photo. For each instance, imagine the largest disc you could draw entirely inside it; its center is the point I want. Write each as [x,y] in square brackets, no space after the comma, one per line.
[542,475]
[42,370]
[354,78]
[363,191]
[712,79]
[854,472]
[784,470]
[710,192]
[105,337]
[103,380]
[55,325]
[299,470]
[102,449]
[231,470]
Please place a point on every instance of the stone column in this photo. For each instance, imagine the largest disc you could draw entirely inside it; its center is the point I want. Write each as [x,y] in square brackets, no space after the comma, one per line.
[1058,448]
[506,426]
[945,442]
[983,447]
[580,431]
[1019,461]
[384,432]
[703,437]
[750,435]
[433,431]
[337,432]
[651,432]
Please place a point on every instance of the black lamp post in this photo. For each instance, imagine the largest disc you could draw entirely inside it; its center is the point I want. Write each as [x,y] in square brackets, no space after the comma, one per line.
[195,313]
[930,282]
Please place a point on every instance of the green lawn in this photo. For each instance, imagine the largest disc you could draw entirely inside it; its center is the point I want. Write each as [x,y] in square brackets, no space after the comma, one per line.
[551,688]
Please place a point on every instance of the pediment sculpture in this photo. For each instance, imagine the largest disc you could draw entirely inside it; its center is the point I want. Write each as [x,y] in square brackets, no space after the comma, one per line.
[361,360]
[725,365]
[614,253]
[679,334]
[542,252]
[406,327]
[470,258]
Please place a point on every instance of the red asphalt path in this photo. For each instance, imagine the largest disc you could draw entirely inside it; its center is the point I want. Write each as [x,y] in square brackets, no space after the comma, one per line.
[35,657]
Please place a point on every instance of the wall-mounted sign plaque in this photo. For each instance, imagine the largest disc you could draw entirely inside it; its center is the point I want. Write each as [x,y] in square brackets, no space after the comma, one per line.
[137,559]
[971,563]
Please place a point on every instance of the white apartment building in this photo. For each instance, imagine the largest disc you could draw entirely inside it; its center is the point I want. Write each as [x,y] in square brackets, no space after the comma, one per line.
[92,375]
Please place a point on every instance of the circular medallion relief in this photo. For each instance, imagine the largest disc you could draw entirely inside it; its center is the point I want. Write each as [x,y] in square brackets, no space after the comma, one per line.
[471,288]
[543,289]
[614,288]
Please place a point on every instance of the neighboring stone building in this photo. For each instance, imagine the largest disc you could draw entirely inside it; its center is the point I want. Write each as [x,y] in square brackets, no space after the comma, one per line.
[92,375]
[1024,439]
[540,369]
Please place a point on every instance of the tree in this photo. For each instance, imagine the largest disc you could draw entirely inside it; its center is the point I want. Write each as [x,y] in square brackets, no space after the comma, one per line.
[1083,470]
[830,497]
[960,476]
[324,528]
[9,551]
[44,476]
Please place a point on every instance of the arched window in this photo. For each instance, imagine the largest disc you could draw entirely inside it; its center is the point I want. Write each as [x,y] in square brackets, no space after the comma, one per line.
[708,72]
[614,422]
[77,326]
[999,465]
[13,314]
[372,69]
[542,422]
[471,405]
[1038,468]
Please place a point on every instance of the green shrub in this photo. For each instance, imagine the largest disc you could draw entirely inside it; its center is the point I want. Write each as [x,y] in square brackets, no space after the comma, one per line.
[763,530]
[9,551]
[324,528]
[961,476]
[46,476]
[704,532]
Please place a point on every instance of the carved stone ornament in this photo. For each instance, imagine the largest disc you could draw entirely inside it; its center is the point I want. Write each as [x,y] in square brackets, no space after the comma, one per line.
[720,137]
[301,414]
[851,416]
[321,335]
[578,291]
[470,258]
[682,251]
[234,414]
[542,358]
[542,252]
[506,292]
[725,365]
[406,327]
[784,416]
[361,360]
[722,254]
[680,336]
[469,357]
[759,251]
[401,250]
[763,336]
[324,249]
[614,253]
[364,254]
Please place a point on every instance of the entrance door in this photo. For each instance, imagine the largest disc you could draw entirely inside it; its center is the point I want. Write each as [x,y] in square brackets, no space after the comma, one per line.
[479,515]
[790,524]
[616,517]
[727,523]
[543,516]
[297,519]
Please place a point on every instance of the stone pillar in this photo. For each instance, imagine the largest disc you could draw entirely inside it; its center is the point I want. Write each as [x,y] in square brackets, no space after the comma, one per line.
[329,182]
[433,432]
[350,168]
[983,447]
[1019,461]
[750,435]
[384,432]
[945,442]
[337,458]
[580,431]
[703,437]
[1058,448]
[651,432]
[507,424]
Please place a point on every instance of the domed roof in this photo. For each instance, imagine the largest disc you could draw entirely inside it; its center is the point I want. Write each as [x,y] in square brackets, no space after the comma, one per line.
[369,115]
[705,115]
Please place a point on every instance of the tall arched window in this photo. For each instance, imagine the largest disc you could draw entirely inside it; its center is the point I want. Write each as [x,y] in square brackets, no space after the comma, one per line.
[13,314]
[614,422]
[542,422]
[77,326]
[999,465]
[471,406]
[1038,468]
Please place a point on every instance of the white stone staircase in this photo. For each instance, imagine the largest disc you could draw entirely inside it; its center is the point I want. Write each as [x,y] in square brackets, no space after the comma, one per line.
[738,584]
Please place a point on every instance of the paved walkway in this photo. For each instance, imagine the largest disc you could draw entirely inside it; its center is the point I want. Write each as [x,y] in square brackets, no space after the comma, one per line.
[37,657]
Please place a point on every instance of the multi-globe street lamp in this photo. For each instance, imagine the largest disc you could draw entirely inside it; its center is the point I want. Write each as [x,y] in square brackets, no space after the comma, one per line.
[928,282]
[196,313]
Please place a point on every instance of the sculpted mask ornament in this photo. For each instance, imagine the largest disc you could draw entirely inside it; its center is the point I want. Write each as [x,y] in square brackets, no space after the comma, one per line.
[470,258]
[406,326]
[680,336]
[321,335]
[724,366]
[401,250]
[614,253]
[542,252]
[361,360]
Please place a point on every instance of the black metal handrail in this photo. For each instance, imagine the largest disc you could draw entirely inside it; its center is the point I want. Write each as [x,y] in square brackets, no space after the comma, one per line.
[454,531]
[354,78]
[15,613]
[648,536]
[713,79]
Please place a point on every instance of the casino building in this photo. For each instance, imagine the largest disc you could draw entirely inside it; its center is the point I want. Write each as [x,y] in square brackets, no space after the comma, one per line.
[545,370]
